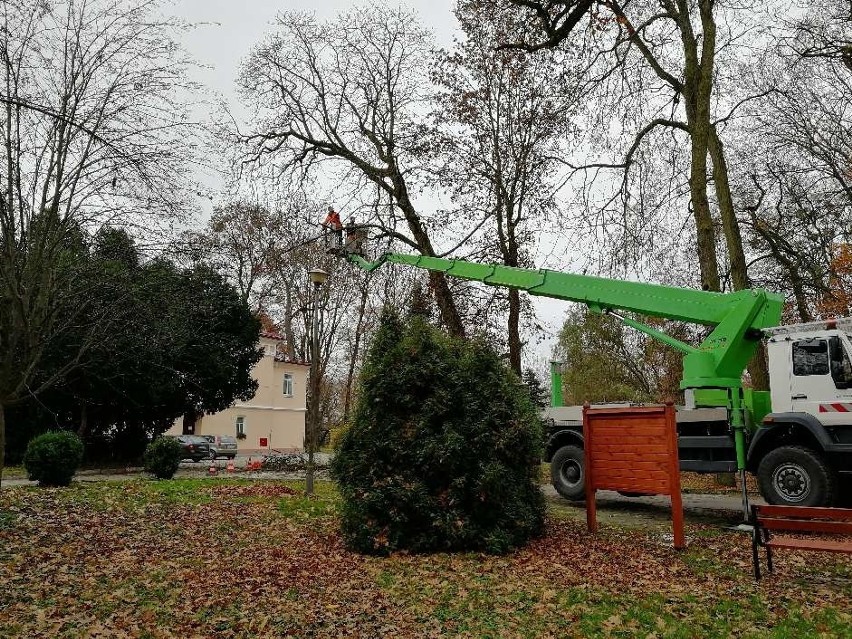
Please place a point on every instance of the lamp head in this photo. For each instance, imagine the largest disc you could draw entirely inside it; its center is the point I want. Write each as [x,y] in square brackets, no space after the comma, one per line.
[318,276]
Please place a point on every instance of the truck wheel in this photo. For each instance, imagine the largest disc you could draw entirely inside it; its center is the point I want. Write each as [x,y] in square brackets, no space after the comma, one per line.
[795,476]
[566,473]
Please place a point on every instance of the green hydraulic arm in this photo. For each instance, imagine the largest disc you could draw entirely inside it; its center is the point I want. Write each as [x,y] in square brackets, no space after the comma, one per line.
[737,319]
[718,362]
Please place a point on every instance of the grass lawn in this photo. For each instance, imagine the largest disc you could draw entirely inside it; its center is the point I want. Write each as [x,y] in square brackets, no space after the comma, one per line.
[231,558]
[14,472]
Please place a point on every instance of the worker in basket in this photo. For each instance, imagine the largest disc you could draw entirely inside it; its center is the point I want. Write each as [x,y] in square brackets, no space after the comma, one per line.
[355,237]
[333,226]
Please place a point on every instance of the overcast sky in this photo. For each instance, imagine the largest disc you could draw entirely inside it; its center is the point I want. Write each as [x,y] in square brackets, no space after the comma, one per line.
[226,31]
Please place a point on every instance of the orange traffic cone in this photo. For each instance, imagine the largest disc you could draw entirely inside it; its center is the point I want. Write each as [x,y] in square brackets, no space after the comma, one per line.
[230,465]
[212,470]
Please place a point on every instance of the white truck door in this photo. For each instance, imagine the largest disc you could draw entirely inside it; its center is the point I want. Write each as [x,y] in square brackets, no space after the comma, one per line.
[780,374]
[813,388]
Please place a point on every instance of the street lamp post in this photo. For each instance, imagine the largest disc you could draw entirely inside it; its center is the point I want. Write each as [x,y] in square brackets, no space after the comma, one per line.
[317,277]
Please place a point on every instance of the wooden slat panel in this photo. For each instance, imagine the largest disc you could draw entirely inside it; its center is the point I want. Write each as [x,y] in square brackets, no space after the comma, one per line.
[812,512]
[810,544]
[619,474]
[626,430]
[807,525]
[654,474]
[636,463]
[633,449]
[625,440]
[632,486]
[628,456]
[643,462]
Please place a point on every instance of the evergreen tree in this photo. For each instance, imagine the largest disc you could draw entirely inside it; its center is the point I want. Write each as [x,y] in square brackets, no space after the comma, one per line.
[538,393]
[174,342]
[444,448]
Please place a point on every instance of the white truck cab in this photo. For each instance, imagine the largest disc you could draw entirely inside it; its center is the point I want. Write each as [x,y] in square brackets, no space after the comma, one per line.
[801,452]
[810,370]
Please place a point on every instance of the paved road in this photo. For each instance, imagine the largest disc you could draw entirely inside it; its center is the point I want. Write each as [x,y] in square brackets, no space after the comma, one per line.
[691,501]
[655,511]
[187,469]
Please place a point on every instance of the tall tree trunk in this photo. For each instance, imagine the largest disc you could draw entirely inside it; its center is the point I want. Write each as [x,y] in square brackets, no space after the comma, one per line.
[514,330]
[289,335]
[730,224]
[708,263]
[83,429]
[758,368]
[350,373]
[437,281]
[801,298]
[446,304]
[2,440]
[697,91]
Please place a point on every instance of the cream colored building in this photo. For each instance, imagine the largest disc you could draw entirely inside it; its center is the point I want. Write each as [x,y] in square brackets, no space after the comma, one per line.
[274,419]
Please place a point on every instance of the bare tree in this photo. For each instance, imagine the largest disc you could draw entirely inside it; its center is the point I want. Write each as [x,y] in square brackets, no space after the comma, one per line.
[352,92]
[247,242]
[795,228]
[796,145]
[503,116]
[91,131]
[679,43]
[677,40]
[824,31]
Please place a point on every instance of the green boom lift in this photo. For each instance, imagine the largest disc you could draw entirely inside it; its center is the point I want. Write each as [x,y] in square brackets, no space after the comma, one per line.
[737,319]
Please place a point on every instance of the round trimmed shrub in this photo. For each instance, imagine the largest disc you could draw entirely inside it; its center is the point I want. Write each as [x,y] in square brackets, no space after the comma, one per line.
[162,457]
[53,457]
[443,452]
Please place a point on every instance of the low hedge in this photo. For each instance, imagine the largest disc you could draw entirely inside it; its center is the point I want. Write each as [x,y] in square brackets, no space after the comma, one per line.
[53,458]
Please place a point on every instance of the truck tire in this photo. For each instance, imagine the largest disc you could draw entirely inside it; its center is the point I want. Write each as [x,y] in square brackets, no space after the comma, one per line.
[795,476]
[567,473]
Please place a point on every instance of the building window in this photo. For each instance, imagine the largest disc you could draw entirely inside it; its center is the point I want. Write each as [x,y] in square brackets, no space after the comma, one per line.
[288,385]
[241,426]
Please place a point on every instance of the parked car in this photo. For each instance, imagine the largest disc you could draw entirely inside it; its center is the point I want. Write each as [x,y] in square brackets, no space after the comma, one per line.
[222,446]
[194,447]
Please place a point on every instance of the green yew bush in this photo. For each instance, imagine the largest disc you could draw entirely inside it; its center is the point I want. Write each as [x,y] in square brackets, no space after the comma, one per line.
[53,458]
[162,457]
[443,451]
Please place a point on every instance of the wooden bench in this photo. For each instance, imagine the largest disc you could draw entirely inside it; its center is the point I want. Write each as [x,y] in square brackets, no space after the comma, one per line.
[798,519]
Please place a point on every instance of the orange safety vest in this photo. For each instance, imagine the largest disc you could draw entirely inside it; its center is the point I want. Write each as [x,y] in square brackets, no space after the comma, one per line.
[333,220]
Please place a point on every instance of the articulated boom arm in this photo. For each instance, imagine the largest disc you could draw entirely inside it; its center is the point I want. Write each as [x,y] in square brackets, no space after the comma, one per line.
[718,362]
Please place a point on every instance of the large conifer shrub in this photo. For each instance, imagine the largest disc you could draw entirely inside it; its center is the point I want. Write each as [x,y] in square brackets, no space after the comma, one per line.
[444,448]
